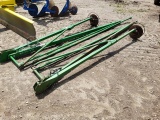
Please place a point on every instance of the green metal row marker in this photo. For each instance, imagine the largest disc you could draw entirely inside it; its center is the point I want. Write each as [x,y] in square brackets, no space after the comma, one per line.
[34,45]
[40,60]
[135,32]
[75,39]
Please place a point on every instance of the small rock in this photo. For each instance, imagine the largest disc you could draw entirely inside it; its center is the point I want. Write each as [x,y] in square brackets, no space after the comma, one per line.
[27,102]
[125,107]
[36,106]
[2,90]
[20,116]
[147,51]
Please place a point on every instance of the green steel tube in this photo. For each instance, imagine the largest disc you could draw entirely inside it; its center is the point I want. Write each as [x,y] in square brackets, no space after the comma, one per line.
[58,58]
[42,48]
[48,53]
[59,31]
[24,52]
[107,25]
[55,58]
[25,49]
[108,38]
[67,45]
[14,61]
[4,54]
[37,74]
[66,54]
[70,67]
[40,39]
[69,38]
[21,52]
[76,24]
[28,51]
[40,86]
[110,24]
[64,47]
[87,31]
[65,29]
[54,33]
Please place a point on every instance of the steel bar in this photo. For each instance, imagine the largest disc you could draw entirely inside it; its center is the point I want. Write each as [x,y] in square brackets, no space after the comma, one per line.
[52,52]
[33,46]
[89,45]
[32,58]
[26,47]
[65,29]
[72,43]
[108,26]
[92,44]
[42,85]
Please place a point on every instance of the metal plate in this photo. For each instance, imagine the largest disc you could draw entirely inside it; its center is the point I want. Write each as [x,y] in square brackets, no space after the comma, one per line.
[17,23]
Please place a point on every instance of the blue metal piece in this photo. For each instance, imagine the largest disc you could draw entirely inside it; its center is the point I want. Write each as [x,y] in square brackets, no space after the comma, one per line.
[33,9]
[68,8]
[65,8]
[43,11]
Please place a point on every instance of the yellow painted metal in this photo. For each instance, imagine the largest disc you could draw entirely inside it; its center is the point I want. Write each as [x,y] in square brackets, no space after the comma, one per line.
[19,24]
[8,3]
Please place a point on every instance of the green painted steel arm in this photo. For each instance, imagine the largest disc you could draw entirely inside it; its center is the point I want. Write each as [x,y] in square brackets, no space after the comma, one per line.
[72,43]
[4,55]
[41,86]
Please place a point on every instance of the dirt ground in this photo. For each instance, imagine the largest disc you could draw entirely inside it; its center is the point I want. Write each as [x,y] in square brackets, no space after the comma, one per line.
[123,83]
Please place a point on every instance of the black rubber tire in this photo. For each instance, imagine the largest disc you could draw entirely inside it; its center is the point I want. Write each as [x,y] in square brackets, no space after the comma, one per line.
[73,10]
[56,10]
[19,2]
[157,2]
[94,20]
[136,34]
[34,7]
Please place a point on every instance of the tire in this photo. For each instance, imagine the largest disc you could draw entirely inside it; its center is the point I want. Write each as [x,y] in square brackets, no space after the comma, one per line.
[94,20]
[157,2]
[73,10]
[56,11]
[19,2]
[136,34]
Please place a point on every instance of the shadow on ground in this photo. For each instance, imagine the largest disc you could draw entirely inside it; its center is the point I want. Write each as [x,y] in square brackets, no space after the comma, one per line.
[48,19]
[3,29]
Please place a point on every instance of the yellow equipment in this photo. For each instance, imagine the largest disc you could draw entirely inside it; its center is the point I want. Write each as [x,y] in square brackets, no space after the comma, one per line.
[19,24]
[8,3]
